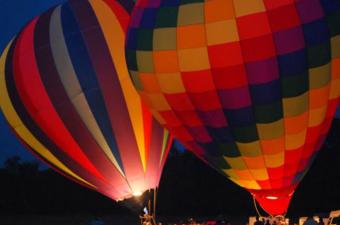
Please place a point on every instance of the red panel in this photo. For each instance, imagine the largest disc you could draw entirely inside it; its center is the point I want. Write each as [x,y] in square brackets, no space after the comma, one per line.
[180,102]
[189,118]
[224,55]
[253,25]
[293,156]
[265,184]
[198,81]
[171,119]
[258,48]
[200,134]
[181,133]
[280,21]
[275,173]
[230,77]
[206,101]
[270,4]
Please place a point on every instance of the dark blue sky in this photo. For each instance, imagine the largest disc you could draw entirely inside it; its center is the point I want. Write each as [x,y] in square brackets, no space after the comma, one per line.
[14,14]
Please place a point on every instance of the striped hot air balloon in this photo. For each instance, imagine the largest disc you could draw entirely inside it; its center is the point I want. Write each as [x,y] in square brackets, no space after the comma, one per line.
[250,86]
[66,93]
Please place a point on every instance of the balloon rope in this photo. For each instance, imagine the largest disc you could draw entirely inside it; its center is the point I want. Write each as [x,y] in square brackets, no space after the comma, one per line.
[154,203]
[257,210]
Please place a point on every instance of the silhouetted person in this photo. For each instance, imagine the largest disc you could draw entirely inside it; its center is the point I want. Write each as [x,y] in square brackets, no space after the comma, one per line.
[258,222]
[267,222]
[321,221]
[310,221]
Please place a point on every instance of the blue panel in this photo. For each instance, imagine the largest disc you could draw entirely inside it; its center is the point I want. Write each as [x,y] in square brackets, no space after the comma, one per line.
[266,93]
[293,64]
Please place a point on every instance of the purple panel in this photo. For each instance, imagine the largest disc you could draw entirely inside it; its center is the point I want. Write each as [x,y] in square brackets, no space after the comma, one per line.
[262,71]
[309,10]
[213,118]
[200,134]
[289,40]
[235,98]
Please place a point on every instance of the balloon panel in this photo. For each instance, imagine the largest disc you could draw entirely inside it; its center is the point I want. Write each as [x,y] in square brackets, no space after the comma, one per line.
[66,93]
[250,87]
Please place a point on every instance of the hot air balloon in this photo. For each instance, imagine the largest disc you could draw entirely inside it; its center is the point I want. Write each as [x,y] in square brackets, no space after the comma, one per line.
[250,86]
[67,95]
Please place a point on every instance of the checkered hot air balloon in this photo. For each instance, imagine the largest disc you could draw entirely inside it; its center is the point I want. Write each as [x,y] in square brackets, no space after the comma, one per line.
[250,86]
[66,93]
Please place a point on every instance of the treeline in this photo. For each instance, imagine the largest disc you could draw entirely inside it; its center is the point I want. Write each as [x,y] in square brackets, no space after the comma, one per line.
[188,188]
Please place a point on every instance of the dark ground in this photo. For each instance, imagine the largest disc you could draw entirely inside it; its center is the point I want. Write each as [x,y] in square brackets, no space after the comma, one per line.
[188,188]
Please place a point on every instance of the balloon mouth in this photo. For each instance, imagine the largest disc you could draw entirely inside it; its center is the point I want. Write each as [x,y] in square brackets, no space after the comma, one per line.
[272,197]
[137,194]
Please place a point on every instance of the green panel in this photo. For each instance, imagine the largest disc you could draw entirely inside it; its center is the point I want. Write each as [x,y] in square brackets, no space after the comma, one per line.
[334,24]
[319,55]
[136,81]
[144,39]
[131,60]
[190,1]
[218,162]
[268,113]
[245,134]
[292,86]
[166,17]
[229,149]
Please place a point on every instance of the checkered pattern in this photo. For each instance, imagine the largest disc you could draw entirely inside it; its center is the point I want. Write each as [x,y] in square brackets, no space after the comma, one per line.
[249,86]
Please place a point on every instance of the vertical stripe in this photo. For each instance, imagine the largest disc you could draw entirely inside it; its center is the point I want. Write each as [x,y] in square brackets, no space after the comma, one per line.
[115,39]
[85,69]
[66,111]
[71,84]
[17,125]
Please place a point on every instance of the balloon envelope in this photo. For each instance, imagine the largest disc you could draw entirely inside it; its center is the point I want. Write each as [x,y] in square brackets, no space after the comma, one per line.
[66,93]
[250,87]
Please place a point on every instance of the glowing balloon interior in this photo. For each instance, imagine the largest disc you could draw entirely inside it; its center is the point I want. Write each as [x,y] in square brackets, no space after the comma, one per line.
[66,93]
[250,87]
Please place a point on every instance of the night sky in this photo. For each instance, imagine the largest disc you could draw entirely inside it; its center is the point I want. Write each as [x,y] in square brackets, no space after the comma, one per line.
[14,14]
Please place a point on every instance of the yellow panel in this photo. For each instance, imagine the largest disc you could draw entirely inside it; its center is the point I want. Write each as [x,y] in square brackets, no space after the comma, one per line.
[219,10]
[335,89]
[231,173]
[193,59]
[158,102]
[270,130]
[222,32]
[244,175]
[319,76]
[15,122]
[319,97]
[274,160]
[190,14]
[255,162]
[158,117]
[164,39]
[335,44]
[273,146]
[296,124]
[294,141]
[144,60]
[170,83]
[236,163]
[249,149]
[247,184]
[246,7]
[260,174]
[115,39]
[296,105]
[317,116]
